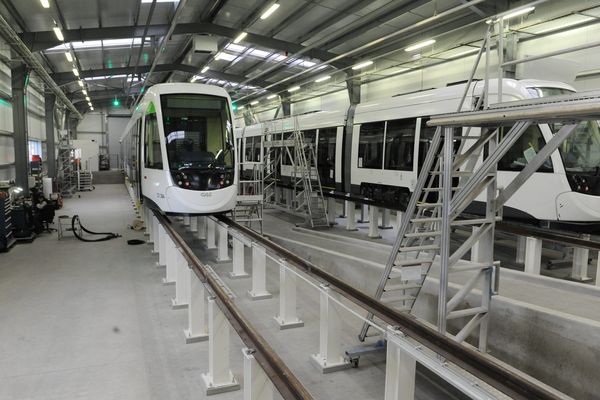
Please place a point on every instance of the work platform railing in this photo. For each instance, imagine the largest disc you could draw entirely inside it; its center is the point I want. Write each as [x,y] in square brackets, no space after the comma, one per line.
[408,341]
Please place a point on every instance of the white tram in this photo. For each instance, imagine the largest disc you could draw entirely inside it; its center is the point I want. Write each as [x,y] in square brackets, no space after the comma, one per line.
[179,151]
[375,150]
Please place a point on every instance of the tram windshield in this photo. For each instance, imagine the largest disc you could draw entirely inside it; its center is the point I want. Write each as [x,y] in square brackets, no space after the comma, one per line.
[199,140]
[581,151]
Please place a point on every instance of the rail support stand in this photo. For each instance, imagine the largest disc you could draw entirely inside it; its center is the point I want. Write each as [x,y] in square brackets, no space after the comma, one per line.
[399,216]
[194,224]
[171,262]
[598,271]
[400,370]
[287,317]
[238,258]
[147,222]
[289,198]
[374,222]
[182,286]
[259,273]
[521,242]
[385,219]
[344,209]
[186,220]
[257,385]
[210,234]
[350,216]
[154,236]
[331,210]
[197,330]
[533,255]
[223,249]
[331,356]
[201,228]
[219,378]
[364,212]
[580,262]
[162,246]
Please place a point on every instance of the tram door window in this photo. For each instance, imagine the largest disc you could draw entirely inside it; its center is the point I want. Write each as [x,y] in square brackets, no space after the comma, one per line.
[370,147]
[400,144]
[153,152]
[326,156]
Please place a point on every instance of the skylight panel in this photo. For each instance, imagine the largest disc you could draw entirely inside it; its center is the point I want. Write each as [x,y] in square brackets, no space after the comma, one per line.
[235,47]
[260,53]
[307,64]
[96,44]
[226,56]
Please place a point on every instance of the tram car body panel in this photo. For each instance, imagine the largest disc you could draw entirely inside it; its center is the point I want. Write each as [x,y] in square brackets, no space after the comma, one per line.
[389,139]
[179,149]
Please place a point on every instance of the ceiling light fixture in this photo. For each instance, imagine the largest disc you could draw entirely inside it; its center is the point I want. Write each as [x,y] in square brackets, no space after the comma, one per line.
[75,72]
[293,89]
[45,3]
[271,96]
[80,82]
[323,78]
[90,103]
[88,98]
[84,92]
[58,33]
[241,107]
[362,65]
[204,69]
[510,15]
[69,56]
[420,45]
[195,78]
[91,108]
[252,103]
[270,11]
[240,37]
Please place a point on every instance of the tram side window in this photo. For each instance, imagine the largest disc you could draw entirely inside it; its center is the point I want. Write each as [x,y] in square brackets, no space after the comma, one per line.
[153,153]
[519,155]
[400,144]
[370,147]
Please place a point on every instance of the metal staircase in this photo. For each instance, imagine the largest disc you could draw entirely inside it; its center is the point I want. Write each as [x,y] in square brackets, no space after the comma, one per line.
[67,177]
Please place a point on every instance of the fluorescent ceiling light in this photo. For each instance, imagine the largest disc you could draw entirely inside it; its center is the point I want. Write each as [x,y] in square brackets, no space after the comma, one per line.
[307,64]
[69,56]
[241,107]
[270,11]
[195,78]
[420,45]
[89,104]
[204,69]
[97,78]
[253,102]
[271,96]
[93,44]
[88,98]
[80,82]
[293,89]
[362,65]
[45,3]
[235,48]
[463,53]
[564,25]
[84,92]
[75,72]
[518,12]
[260,53]
[240,37]
[91,108]
[58,34]
[225,56]
[323,78]
[280,57]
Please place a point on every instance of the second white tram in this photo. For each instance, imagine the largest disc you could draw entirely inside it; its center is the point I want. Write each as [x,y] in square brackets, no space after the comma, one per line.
[179,151]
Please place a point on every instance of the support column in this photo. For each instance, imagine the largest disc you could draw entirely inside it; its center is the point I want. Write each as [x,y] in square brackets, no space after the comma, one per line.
[171,262]
[344,209]
[521,241]
[331,356]
[257,386]
[219,378]
[155,225]
[350,216]
[533,255]
[210,233]
[374,222]
[580,262]
[186,220]
[385,219]
[287,317]
[202,228]
[182,285]
[259,274]
[289,198]
[238,259]
[162,246]
[598,270]
[147,222]
[364,214]
[400,370]
[197,330]
[194,224]
[223,250]
[149,228]
[19,78]
[331,210]
[399,216]
[49,103]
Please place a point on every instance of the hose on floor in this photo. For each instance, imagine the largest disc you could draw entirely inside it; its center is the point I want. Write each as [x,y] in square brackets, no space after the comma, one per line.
[107,235]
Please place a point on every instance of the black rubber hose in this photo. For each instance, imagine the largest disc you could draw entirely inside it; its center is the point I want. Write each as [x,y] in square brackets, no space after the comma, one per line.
[107,235]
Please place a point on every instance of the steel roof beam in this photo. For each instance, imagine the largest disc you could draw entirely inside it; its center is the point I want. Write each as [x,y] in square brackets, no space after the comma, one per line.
[40,41]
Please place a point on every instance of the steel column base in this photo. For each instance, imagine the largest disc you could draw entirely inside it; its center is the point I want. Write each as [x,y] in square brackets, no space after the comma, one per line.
[233,275]
[259,295]
[177,306]
[165,282]
[212,388]
[189,338]
[288,325]
[327,367]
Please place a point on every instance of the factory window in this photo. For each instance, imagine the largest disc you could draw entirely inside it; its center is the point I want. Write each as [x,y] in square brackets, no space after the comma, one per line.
[526,147]
[153,153]
[400,144]
[370,146]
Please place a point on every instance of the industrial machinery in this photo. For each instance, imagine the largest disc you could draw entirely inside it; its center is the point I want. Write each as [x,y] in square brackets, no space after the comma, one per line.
[179,150]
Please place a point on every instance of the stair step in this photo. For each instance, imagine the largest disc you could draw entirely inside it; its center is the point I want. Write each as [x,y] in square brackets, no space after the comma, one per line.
[472,266]
[425,220]
[415,261]
[419,248]
[393,287]
[396,298]
[428,205]
[454,173]
[423,234]
[454,188]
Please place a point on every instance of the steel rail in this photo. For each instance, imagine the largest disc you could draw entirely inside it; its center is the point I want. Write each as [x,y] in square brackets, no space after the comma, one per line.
[487,370]
[553,236]
[282,377]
